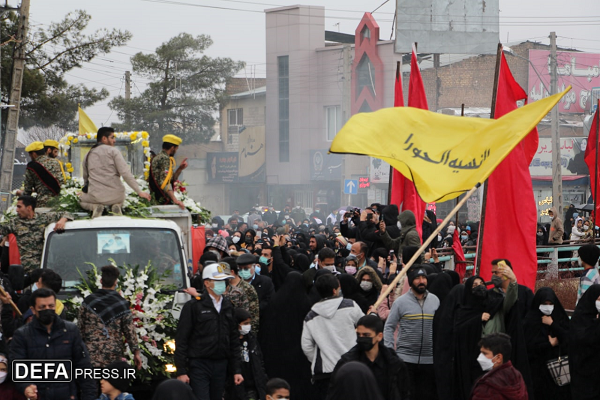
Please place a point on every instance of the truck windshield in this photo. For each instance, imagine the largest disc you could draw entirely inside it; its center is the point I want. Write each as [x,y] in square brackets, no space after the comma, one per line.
[74,249]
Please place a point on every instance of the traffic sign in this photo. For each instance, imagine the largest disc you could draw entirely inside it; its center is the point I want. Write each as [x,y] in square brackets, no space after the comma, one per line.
[350,186]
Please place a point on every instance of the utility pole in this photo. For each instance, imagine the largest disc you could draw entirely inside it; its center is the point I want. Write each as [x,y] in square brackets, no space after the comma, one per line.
[12,124]
[127,85]
[346,105]
[556,167]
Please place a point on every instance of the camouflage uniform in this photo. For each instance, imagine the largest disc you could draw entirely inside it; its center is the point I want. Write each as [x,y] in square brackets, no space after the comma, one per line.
[252,297]
[33,184]
[30,236]
[237,297]
[160,169]
[104,350]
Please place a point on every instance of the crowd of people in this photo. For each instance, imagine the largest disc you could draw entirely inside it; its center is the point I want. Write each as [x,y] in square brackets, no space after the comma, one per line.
[288,305]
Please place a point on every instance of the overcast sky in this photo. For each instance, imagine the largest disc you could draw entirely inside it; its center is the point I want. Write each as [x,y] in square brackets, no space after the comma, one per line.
[237,28]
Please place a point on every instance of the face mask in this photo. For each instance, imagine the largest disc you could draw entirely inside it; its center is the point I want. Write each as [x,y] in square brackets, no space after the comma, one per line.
[215,225]
[245,274]
[216,253]
[248,239]
[349,246]
[598,305]
[272,398]
[546,309]
[585,227]
[257,269]
[34,287]
[245,329]
[350,270]
[485,363]
[2,377]
[480,292]
[46,316]
[439,238]
[329,267]
[464,237]
[264,260]
[287,217]
[365,343]
[366,285]
[219,288]
[540,234]
[255,227]
[235,240]
[497,280]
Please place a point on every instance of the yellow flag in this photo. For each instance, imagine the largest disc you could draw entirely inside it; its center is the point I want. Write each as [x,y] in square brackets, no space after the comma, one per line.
[85,123]
[443,155]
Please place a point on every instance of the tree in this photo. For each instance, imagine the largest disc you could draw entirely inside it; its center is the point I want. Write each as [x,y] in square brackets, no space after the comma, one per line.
[40,134]
[47,99]
[184,95]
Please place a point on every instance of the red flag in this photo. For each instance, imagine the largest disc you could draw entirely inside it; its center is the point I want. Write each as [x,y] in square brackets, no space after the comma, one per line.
[459,255]
[418,99]
[590,160]
[511,212]
[397,178]
[198,244]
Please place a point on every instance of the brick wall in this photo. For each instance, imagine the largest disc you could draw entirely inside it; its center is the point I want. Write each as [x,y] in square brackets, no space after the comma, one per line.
[240,85]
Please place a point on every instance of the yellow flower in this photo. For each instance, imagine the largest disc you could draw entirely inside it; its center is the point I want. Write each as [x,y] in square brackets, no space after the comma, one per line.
[66,154]
[68,165]
[75,140]
[88,136]
[146,175]
[145,143]
[145,135]
[68,178]
[70,170]
[133,136]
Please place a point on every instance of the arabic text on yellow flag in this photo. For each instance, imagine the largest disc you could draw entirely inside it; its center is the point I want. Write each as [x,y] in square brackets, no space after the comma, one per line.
[443,155]
[85,123]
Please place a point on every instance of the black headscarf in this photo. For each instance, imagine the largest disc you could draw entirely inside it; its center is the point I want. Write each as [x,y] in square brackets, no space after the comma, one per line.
[173,389]
[354,381]
[281,332]
[584,346]
[539,349]
[350,290]
[301,262]
[313,294]
[440,286]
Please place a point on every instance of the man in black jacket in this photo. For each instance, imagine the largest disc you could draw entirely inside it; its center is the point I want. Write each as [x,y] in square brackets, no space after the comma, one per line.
[49,337]
[262,284]
[207,340]
[389,370]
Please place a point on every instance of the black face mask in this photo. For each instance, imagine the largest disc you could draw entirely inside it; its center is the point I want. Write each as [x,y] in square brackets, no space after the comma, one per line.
[480,292]
[497,280]
[46,317]
[248,239]
[365,343]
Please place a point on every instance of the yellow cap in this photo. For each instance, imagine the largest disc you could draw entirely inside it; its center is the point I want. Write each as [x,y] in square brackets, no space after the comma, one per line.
[172,139]
[51,143]
[35,146]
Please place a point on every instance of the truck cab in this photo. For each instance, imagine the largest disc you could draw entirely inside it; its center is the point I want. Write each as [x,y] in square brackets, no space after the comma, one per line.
[159,240]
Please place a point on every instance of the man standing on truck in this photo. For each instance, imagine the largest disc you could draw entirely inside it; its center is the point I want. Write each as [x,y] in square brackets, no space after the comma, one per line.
[163,172]
[29,229]
[103,168]
[43,175]
[51,149]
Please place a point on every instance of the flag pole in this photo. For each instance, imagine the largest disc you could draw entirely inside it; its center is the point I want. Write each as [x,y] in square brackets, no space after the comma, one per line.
[424,247]
[485,186]
[462,114]
[390,181]
[596,171]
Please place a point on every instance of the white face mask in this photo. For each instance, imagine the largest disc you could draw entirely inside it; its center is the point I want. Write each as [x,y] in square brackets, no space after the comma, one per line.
[485,363]
[439,238]
[245,329]
[34,287]
[546,309]
[235,240]
[366,285]
[2,377]
[329,267]
[273,398]
[585,227]
[598,305]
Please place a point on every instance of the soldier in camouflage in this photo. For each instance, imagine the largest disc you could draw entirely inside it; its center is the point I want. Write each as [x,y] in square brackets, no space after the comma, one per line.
[106,323]
[28,227]
[163,173]
[51,149]
[34,180]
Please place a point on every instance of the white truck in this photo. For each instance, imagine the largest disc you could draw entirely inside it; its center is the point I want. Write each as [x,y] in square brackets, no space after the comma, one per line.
[163,239]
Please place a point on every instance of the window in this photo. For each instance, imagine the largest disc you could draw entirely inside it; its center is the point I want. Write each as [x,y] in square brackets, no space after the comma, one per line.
[333,121]
[283,66]
[235,116]
[366,75]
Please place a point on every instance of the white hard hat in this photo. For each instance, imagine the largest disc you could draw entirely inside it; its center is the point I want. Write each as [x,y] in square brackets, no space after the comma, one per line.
[216,272]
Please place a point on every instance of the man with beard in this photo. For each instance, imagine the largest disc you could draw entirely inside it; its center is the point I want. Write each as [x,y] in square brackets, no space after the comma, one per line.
[163,172]
[412,313]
